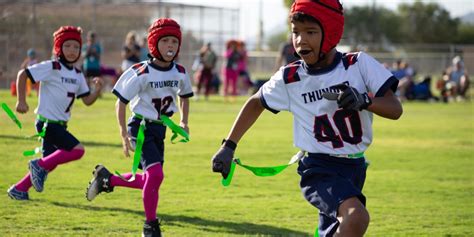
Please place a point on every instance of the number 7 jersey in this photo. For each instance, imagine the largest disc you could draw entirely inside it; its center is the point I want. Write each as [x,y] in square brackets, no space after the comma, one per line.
[319,125]
[60,86]
[153,90]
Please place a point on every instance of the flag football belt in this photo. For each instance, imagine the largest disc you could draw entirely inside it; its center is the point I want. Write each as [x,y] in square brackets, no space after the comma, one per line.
[347,156]
[45,120]
[139,116]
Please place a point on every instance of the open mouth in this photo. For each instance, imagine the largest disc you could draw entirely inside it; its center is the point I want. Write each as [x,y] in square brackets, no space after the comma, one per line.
[170,53]
[304,52]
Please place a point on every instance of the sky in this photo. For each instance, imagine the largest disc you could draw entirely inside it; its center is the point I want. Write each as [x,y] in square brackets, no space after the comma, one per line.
[275,13]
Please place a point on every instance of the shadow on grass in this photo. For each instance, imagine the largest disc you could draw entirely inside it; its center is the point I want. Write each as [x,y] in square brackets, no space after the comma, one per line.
[85,143]
[228,227]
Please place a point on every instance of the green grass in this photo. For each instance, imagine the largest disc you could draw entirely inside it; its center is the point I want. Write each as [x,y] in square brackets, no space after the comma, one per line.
[420,181]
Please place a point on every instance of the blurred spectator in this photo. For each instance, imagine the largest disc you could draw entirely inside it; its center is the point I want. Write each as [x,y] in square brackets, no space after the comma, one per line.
[455,81]
[404,73]
[397,69]
[130,51]
[421,91]
[30,58]
[230,67]
[287,54]
[28,61]
[205,70]
[91,52]
[144,49]
[243,73]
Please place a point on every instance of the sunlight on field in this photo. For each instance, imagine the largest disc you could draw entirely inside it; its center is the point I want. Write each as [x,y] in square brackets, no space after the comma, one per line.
[419,183]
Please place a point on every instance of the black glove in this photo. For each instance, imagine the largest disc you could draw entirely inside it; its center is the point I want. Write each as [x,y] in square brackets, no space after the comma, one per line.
[222,160]
[349,98]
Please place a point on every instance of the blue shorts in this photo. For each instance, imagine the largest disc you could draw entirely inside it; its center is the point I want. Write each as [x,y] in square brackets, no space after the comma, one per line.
[153,146]
[327,181]
[56,137]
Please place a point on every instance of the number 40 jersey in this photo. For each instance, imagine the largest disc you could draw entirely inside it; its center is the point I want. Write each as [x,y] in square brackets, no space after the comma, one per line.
[319,125]
[153,90]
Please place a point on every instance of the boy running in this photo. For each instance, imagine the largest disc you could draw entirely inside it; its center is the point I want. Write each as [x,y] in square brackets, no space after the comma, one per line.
[151,87]
[61,83]
[332,97]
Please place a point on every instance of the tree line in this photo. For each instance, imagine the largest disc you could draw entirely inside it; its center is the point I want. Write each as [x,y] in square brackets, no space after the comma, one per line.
[413,23]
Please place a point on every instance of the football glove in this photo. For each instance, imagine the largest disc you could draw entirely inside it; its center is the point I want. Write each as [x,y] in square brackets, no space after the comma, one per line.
[349,98]
[222,160]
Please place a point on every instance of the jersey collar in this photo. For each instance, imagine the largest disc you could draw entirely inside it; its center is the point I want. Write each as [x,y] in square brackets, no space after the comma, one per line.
[164,69]
[65,64]
[312,71]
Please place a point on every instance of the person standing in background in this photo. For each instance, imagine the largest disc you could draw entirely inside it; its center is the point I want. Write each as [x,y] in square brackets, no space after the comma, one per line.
[91,51]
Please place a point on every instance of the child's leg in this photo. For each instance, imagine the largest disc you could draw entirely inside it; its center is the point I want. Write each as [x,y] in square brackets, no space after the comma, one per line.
[52,157]
[59,157]
[342,210]
[233,82]
[353,218]
[25,183]
[59,146]
[153,178]
[137,183]
[227,78]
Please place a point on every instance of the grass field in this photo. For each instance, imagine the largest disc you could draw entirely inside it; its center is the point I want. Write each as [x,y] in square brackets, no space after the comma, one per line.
[420,181]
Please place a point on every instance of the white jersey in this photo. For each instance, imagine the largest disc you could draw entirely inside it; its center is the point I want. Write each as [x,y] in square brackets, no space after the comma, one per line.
[152,90]
[319,125]
[60,86]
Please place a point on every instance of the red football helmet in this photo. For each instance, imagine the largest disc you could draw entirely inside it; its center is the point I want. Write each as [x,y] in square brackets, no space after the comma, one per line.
[66,33]
[330,15]
[160,28]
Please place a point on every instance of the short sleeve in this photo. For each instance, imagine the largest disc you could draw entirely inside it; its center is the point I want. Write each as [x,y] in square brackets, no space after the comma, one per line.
[128,85]
[40,71]
[377,78]
[83,89]
[274,95]
[185,87]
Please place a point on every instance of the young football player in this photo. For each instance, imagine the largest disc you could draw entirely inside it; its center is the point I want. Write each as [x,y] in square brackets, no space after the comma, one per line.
[152,88]
[332,97]
[61,83]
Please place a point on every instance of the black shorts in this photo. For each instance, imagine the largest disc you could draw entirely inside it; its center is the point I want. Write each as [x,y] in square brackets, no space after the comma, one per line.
[327,181]
[56,137]
[153,146]
[92,73]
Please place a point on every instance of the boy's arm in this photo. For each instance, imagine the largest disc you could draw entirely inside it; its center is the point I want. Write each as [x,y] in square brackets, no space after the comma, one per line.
[21,105]
[249,113]
[184,108]
[91,98]
[387,106]
[120,112]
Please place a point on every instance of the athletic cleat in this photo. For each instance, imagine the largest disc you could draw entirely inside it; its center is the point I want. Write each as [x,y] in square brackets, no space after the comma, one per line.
[151,229]
[16,194]
[38,175]
[100,182]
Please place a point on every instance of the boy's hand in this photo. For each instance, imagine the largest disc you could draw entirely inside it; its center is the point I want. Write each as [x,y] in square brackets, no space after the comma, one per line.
[349,98]
[222,160]
[184,126]
[126,145]
[21,107]
[98,83]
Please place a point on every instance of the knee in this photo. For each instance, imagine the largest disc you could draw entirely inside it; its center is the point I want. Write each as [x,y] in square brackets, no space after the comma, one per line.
[353,216]
[155,173]
[78,152]
[361,217]
[357,220]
